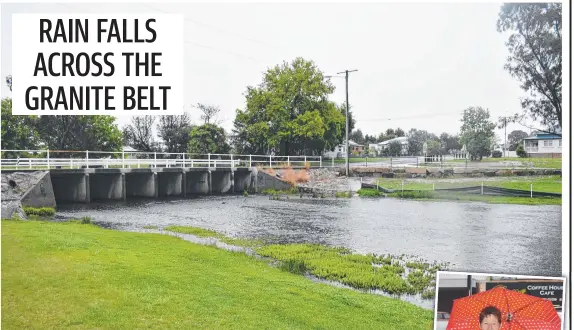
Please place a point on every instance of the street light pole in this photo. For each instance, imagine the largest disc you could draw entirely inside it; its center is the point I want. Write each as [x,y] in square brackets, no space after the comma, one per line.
[504,137]
[347,120]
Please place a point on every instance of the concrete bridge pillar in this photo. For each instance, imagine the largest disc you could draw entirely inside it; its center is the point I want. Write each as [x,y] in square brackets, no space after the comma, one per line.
[141,184]
[107,186]
[197,182]
[170,184]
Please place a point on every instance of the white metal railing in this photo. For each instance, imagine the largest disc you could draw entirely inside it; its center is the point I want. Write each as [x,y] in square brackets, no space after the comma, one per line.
[66,159]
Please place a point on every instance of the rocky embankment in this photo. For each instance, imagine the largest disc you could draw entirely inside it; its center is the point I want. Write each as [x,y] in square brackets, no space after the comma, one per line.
[14,187]
[329,181]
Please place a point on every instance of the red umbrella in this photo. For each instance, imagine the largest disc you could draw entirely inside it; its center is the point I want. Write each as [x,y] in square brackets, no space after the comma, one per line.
[519,311]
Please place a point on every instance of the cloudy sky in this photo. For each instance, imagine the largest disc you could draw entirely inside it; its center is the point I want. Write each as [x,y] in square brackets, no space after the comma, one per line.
[419,65]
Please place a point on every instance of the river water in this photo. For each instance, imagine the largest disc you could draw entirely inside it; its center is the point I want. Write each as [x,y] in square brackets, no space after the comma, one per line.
[474,237]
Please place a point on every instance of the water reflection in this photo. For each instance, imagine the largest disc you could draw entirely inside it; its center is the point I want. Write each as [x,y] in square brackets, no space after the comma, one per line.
[473,237]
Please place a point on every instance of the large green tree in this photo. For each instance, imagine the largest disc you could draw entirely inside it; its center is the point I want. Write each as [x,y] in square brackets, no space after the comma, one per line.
[289,112]
[98,133]
[357,136]
[208,139]
[477,132]
[449,143]
[18,132]
[417,138]
[395,148]
[514,139]
[535,46]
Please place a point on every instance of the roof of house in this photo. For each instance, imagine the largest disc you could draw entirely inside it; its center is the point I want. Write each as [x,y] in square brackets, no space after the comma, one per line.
[544,136]
[353,143]
[399,139]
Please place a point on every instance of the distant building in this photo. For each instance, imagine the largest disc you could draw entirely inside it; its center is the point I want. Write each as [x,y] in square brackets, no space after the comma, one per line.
[544,145]
[339,151]
[403,140]
[355,147]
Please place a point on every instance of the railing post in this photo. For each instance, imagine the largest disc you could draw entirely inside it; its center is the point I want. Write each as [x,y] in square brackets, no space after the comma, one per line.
[87,159]
[183,157]
[482,188]
[321,161]
[138,163]
[231,156]
[208,160]
[531,190]
[305,161]
[288,162]
[391,163]
[123,158]
[155,159]
[270,165]
[249,160]
[48,160]
[332,161]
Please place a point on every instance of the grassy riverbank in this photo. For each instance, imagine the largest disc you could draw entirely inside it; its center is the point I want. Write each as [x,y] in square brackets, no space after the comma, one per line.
[392,274]
[553,163]
[61,275]
[435,196]
[552,184]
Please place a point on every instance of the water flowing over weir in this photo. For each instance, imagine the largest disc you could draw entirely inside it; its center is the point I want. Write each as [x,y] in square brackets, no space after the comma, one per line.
[473,237]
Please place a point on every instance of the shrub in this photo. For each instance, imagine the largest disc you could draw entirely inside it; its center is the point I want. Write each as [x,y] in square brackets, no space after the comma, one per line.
[86,220]
[422,194]
[369,193]
[343,194]
[39,211]
[496,154]
[293,266]
[520,152]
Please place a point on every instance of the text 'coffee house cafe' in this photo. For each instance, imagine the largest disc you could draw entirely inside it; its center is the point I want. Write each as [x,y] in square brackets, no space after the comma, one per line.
[455,286]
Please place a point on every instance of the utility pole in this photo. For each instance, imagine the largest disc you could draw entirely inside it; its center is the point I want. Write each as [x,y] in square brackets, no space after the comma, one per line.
[504,137]
[347,119]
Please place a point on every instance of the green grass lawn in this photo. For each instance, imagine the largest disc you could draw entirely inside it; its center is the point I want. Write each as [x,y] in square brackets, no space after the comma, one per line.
[72,275]
[552,184]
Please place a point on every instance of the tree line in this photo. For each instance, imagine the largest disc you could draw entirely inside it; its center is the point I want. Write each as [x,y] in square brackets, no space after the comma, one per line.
[289,112]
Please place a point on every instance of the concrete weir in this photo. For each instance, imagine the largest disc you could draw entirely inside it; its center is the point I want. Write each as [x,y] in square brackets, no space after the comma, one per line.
[116,184]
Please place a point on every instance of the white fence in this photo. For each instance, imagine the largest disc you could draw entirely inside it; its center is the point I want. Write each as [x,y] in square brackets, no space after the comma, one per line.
[46,159]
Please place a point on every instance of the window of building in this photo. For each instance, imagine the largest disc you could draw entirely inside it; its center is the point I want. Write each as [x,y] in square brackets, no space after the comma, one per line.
[559,143]
[547,143]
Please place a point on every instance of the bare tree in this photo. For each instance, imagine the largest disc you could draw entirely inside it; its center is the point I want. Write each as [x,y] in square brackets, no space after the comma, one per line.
[139,134]
[175,131]
[209,113]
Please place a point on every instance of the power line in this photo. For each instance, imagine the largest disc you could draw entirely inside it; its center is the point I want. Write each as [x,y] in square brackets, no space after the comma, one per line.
[220,30]
[223,51]
[414,116]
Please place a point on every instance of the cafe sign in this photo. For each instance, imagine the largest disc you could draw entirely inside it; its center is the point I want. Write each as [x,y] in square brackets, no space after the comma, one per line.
[552,291]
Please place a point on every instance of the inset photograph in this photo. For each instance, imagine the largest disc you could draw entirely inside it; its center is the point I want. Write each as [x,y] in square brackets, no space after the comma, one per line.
[475,301]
